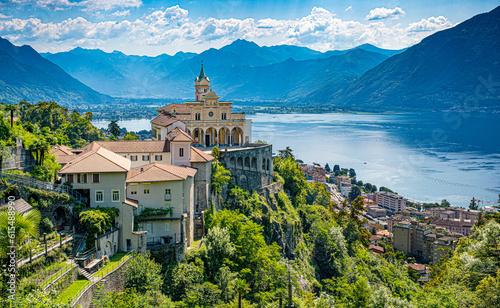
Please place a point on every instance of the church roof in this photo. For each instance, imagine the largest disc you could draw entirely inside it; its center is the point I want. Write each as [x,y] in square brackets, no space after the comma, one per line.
[180,108]
[210,94]
[164,120]
[202,73]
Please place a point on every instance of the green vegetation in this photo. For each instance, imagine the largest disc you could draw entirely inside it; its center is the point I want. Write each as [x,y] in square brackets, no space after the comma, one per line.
[113,263]
[97,220]
[25,226]
[73,290]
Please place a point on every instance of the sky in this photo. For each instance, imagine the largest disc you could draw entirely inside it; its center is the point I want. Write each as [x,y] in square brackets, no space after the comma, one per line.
[153,27]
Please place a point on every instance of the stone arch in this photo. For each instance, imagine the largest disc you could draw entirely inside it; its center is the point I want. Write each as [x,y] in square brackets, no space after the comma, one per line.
[224,136]
[210,138]
[263,164]
[239,164]
[268,165]
[188,131]
[254,163]
[108,248]
[12,192]
[237,136]
[198,136]
[247,162]
[232,162]
[62,216]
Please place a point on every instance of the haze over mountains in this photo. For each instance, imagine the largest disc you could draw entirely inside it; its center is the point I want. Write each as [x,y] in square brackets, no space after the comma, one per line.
[242,70]
[24,74]
[458,69]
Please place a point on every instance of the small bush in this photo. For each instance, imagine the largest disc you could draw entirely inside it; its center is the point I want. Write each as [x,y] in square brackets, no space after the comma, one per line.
[46,226]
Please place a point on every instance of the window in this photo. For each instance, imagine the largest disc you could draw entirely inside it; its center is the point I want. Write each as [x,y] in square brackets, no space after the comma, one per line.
[158,157]
[167,226]
[115,195]
[149,227]
[95,178]
[154,133]
[133,157]
[82,178]
[181,152]
[99,196]
[129,244]
[210,114]
[133,190]
[70,178]
[197,116]
[145,157]
[146,189]
[168,196]
[223,116]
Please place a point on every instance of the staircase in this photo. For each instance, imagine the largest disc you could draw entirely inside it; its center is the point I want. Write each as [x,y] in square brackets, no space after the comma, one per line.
[87,275]
[79,240]
[25,180]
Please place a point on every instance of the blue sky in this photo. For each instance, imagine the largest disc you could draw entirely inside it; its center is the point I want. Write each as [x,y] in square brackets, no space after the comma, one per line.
[152,27]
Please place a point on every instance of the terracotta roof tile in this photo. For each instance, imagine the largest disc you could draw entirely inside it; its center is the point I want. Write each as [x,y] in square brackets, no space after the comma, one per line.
[20,205]
[198,156]
[132,202]
[62,148]
[157,172]
[97,160]
[164,120]
[136,146]
[179,135]
[179,108]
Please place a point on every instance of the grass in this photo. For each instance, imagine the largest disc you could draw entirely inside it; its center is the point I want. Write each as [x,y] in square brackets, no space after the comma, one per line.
[73,290]
[194,247]
[52,277]
[113,263]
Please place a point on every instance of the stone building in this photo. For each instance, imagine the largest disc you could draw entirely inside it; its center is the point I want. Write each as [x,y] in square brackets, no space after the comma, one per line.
[208,120]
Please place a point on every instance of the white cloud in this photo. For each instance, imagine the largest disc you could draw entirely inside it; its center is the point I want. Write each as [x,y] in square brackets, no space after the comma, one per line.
[349,8]
[4,16]
[86,5]
[171,28]
[383,13]
[121,13]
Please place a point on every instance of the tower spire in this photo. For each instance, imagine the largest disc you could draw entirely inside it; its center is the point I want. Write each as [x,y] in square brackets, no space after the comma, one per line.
[202,72]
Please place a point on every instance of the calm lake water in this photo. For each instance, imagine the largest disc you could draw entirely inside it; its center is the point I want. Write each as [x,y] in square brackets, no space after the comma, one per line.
[426,157]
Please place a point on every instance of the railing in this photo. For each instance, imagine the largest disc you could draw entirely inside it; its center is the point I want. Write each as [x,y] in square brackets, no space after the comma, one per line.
[162,240]
[25,180]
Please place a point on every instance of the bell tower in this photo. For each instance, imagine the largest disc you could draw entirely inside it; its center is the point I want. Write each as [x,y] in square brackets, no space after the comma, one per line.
[201,85]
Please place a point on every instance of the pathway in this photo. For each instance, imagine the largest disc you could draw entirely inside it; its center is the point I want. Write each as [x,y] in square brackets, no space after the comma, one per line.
[22,262]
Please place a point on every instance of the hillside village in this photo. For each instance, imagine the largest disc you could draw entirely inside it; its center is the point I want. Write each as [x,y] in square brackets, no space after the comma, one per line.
[199,201]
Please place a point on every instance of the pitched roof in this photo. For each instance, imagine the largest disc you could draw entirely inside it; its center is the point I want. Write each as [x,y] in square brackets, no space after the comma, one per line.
[135,146]
[376,248]
[132,202]
[97,160]
[180,108]
[417,267]
[164,120]
[64,149]
[20,205]
[178,135]
[198,156]
[156,172]
[375,238]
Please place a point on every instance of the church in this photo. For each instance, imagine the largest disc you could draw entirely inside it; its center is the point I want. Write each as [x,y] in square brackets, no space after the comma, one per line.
[208,120]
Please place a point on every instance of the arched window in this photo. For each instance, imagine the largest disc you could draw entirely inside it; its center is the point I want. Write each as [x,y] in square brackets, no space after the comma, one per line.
[240,163]
[247,162]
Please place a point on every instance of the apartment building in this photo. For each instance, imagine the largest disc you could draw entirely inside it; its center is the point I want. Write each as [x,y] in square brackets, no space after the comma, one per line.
[390,201]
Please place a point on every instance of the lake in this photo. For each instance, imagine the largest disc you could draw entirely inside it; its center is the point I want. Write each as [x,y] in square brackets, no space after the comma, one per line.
[422,156]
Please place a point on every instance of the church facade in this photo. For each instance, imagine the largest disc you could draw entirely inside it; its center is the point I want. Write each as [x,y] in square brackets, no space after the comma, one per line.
[208,120]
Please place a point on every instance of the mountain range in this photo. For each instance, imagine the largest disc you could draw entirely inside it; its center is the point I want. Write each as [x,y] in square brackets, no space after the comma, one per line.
[454,69]
[241,70]
[25,74]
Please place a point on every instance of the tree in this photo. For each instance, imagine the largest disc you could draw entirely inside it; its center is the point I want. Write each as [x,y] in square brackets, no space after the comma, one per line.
[220,177]
[327,168]
[336,168]
[352,173]
[216,153]
[130,136]
[242,288]
[286,153]
[218,248]
[488,292]
[473,204]
[354,193]
[142,273]
[357,209]
[445,203]
[25,225]
[114,128]
[11,108]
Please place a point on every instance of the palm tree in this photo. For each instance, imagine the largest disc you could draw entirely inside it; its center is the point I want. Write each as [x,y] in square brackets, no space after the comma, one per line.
[11,108]
[242,288]
[25,225]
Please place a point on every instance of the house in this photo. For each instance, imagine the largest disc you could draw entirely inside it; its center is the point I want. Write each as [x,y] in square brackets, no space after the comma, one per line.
[377,250]
[19,205]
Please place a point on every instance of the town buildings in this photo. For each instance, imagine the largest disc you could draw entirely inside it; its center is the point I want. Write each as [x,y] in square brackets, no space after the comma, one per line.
[426,242]
[313,173]
[390,201]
